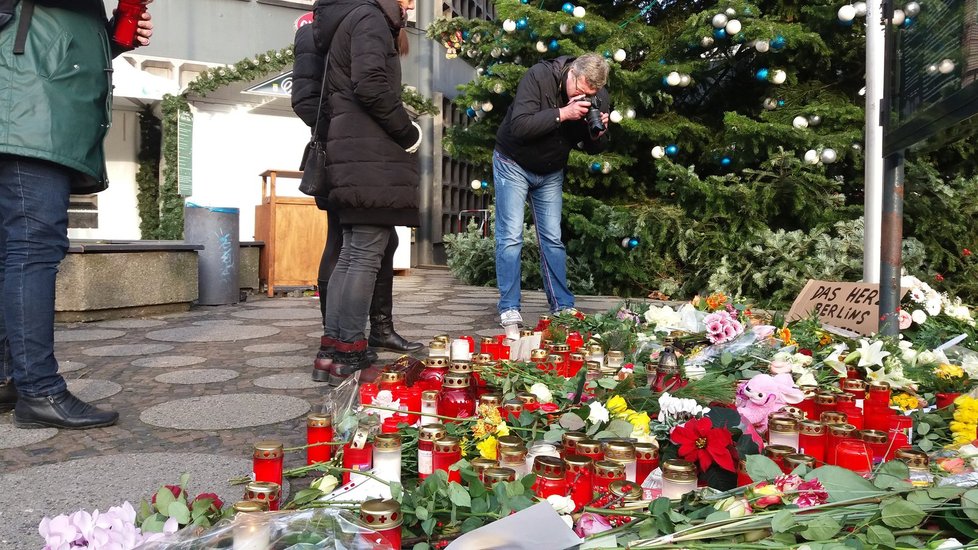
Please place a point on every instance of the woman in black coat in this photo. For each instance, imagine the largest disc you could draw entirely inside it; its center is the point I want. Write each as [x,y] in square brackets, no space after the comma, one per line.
[307,86]
[370,149]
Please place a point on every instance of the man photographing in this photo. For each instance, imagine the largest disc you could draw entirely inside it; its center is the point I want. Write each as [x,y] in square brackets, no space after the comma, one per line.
[553,112]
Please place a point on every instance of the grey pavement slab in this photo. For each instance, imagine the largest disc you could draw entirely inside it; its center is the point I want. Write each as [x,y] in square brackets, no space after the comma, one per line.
[280,361]
[123,350]
[12,436]
[86,335]
[131,323]
[90,389]
[225,412]
[277,347]
[279,313]
[65,366]
[197,376]
[168,361]
[213,333]
[288,381]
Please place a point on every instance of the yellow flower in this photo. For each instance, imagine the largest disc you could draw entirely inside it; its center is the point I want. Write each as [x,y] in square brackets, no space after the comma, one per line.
[480,429]
[502,429]
[617,405]
[463,445]
[825,339]
[487,448]
[965,419]
[490,413]
[905,401]
[715,301]
[639,421]
[947,372]
[785,335]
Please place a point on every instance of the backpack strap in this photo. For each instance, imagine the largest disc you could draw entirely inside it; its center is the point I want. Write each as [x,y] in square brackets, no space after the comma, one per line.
[26,14]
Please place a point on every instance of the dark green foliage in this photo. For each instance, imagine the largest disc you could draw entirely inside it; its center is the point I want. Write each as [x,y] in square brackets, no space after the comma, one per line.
[148,175]
[171,203]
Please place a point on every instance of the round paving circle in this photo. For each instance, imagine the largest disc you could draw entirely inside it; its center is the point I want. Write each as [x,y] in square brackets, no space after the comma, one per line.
[168,361]
[225,412]
[197,376]
[274,348]
[284,302]
[86,335]
[299,323]
[213,333]
[131,323]
[486,301]
[217,322]
[12,437]
[123,350]
[410,311]
[279,314]
[69,366]
[437,319]
[90,389]
[280,361]
[290,381]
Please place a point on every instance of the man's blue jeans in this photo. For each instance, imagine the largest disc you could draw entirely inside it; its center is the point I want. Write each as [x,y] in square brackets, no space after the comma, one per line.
[33,241]
[514,186]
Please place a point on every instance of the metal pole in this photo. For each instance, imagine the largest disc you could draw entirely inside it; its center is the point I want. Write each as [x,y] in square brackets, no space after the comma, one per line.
[873,181]
[424,234]
[892,239]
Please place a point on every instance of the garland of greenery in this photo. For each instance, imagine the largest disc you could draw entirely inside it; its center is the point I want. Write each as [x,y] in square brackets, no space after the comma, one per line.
[148,174]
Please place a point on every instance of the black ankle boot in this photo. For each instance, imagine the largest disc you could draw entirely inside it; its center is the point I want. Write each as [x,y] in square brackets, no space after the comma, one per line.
[347,359]
[8,397]
[382,334]
[61,410]
[386,338]
[322,366]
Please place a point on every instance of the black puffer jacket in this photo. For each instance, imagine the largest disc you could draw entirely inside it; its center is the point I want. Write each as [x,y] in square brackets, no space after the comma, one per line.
[307,81]
[374,181]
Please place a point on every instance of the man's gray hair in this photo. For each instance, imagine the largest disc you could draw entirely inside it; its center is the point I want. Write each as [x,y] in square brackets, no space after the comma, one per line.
[593,68]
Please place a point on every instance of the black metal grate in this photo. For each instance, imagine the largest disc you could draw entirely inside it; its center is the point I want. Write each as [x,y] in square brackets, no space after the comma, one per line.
[459,201]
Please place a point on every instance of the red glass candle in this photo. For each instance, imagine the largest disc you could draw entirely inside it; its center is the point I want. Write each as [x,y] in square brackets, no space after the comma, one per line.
[127,17]
[368,392]
[264,491]
[390,425]
[383,517]
[856,387]
[579,475]
[410,400]
[433,373]
[488,345]
[808,404]
[391,380]
[575,341]
[575,362]
[557,365]
[903,425]
[267,461]
[568,443]
[512,409]
[543,324]
[502,349]
[357,459]
[606,471]
[854,415]
[777,454]
[427,436]
[456,398]
[447,451]
[853,454]
[591,449]
[878,442]
[811,439]
[646,460]
[551,476]
[824,402]
[319,429]
[877,416]
[879,393]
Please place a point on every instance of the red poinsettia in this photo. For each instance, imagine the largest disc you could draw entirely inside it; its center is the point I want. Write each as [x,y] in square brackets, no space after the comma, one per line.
[699,442]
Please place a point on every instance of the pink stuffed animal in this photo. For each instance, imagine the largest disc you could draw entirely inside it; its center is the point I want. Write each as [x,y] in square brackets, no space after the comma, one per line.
[764,394]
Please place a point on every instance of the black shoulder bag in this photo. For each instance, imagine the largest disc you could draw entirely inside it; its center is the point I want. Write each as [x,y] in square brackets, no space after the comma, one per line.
[315,180]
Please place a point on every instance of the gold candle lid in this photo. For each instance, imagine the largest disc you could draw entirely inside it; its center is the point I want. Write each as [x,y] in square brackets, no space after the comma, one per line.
[783,424]
[491,399]
[799,459]
[811,427]
[619,451]
[616,355]
[825,398]
[458,366]
[833,417]
[569,439]
[436,362]
[577,464]
[391,377]
[677,469]
[778,451]
[448,444]
[456,380]
[793,412]
[609,468]
[646,451]
[487,340]
[513,406]
[431,432]
[482,358]
[593,366]
[549,467]
[387,442]
[249,506]
[853,384]
[874,436]
[268,449]
[915,459]
[576,357]
[810,391]
[588,447]
[262,491]
[845,398]
[561,348]
[841,430]
[381,514]
[442,338]
[429,395]
[494,475]
[555,359]
[527,398]
[480,464]
[538,355]
[595,348]
[512,454]
[319,420]
[627,490]
[879,386]
[437,345]
[526,332]
[509,441]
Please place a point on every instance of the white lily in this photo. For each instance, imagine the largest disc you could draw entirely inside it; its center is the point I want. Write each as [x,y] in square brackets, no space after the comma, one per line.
[833,359]
[871,354]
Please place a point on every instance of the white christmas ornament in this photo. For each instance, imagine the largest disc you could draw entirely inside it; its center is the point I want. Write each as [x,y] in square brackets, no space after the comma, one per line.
[629,113]
[479,71]
[911,9]
[862,91]
[779,77]
[658,152]
[673,78]
[814,120]
[496,52]
[541,47]
[565,28]
[847,13]
[476,184]
[932,68]
[733,27]
[509,25]
[487,106]
[770,103]
[762,46]
[799,122]
[579,12]
[945,66]
[731,12]
[719,21]
[811,156]
[860,9]
[615,117]
[899,17]
[619,55]
[706,41]
[829,155]
[606,168]
[684,80]
[498,88]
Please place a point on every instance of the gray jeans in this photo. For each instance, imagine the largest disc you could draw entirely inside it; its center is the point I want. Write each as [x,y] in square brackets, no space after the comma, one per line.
[351,285]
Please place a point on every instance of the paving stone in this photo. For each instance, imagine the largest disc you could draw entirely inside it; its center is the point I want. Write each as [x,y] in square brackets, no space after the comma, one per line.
[427,298]
[317,334]
[91,389]
[410,311]
[486,300]
[131,323]
[219,333]
[279,314]
[69,366]
[197,376]
[12,437]
[275,348]
[86,335]
[280,361]
[225,411]
[436,319]
[285,302]
[217,322]
[168,361]
[450,329]
[300,323]
[185,314]
[418,333]
[288,381]
[475,309]
[122,350]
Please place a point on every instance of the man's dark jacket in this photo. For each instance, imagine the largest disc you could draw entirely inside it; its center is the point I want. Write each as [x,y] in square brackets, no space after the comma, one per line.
[374,181]
[530,133]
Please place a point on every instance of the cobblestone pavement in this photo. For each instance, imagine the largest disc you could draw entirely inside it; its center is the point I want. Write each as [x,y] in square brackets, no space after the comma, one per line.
[195,390]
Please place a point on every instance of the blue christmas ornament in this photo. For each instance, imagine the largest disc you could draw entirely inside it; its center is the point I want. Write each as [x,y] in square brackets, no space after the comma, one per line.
[778,42]
[595,167]
[761,74]
[466,34]
[485,184]
[525,1]
[725,161]
[662,61]
[606,54]
[522,23]
[633,242]
[845,23]
[554,45]
[568,8]
[470,112]
[534,35]
[907,22]
[580,27]
[672,150]
[720,34]
[780,103]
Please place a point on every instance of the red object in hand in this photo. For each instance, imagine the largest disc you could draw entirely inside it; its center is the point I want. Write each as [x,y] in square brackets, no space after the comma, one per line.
[127,17]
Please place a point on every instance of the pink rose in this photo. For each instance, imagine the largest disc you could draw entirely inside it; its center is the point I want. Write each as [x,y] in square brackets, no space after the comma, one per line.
[590,524]
[905,320]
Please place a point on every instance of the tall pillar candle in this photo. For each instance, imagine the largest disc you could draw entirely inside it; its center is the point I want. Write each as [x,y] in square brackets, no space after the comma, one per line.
[319,429]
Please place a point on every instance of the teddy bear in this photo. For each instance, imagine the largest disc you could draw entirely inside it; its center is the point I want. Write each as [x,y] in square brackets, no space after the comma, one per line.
[764,394]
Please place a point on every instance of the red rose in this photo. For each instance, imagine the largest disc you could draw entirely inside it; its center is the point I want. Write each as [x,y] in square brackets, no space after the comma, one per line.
[938,277]
[549,407]
[966,252]
[216,502]
[805,351]
[175,489]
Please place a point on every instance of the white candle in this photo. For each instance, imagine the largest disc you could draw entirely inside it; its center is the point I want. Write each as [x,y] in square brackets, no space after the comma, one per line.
[460,350]
[251,533]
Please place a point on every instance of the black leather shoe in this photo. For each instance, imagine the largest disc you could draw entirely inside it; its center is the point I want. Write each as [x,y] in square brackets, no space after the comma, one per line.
[386,339]
[61,410]
[8,397]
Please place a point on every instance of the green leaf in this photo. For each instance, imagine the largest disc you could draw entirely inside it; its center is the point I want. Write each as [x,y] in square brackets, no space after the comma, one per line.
[305,496]
[200,507]
[471,523]
[421,546]
[760,468]
[821,528]
[925,445]
[621,428]
[571,422]
[717,515]
[179,511]
[880,536]
[660,506]
[726,358]
[901,514]
[957,520]
[428,525]
[184,480]
[923,429]
[605,434]
[895,468]
[514,488]
[843,484]
[163,499]
[154,523]
[480,505]
[944,492]
[422,513]
[397,491]
[528,481]
[885,481]
[459,495]
[607,383]
[920,498]
[782,521]
[553,435]
[969,504]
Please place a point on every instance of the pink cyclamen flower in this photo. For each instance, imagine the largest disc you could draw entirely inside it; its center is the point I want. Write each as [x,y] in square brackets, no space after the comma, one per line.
[722,327]
[590,524]
[905,320]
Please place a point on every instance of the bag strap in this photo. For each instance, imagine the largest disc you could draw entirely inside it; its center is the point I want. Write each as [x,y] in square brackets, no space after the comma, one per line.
[26,14]
[322,95]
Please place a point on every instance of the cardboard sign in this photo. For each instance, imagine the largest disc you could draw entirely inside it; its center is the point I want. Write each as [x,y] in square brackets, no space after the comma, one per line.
[853,306]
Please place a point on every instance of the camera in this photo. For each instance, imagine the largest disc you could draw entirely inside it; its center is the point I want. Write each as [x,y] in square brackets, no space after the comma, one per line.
[594,124]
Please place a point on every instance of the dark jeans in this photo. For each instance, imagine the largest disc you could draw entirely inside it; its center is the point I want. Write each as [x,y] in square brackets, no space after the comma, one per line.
[33,241]
[351,285]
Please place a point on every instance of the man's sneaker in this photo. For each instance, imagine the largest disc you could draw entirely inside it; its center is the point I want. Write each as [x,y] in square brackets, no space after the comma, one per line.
[510,317]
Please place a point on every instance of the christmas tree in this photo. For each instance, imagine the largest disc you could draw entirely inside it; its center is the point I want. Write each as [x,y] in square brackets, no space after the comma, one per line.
[736,159]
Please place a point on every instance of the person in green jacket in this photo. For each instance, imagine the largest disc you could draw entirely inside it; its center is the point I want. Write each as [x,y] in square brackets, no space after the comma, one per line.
[55,107]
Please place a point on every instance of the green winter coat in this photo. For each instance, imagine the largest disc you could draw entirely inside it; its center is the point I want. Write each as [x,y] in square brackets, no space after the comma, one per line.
[55,98]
